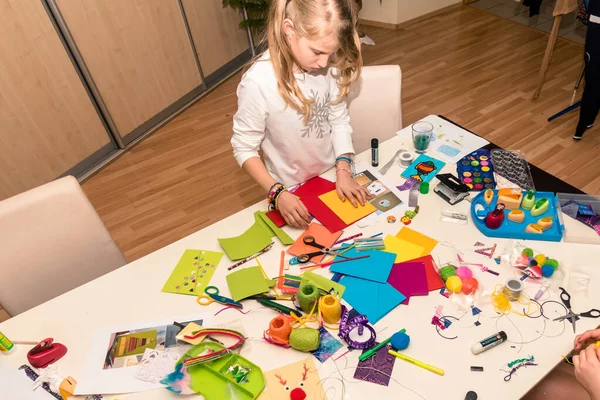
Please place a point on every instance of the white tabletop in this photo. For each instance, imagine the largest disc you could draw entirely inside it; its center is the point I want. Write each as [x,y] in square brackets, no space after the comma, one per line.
[132,293]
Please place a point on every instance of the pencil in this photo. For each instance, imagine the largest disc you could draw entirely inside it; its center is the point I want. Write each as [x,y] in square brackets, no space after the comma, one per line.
[245,260]
[281,276]
[328,263]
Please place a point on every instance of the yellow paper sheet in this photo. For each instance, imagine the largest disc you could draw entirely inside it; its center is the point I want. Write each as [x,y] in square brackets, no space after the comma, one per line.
[189,330]
[344,209]
[417,238]
[403,249]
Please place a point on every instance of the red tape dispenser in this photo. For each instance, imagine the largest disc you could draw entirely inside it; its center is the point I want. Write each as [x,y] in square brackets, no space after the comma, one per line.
[45,353]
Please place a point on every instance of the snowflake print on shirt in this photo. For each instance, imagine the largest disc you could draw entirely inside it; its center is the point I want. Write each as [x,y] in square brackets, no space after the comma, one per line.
[318,116]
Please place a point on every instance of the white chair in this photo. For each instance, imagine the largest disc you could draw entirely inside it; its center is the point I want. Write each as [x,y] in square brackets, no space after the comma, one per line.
[51,241]
[375,105]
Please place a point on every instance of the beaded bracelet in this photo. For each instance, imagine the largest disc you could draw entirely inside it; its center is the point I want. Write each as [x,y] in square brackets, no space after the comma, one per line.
[343,169]
[277,198]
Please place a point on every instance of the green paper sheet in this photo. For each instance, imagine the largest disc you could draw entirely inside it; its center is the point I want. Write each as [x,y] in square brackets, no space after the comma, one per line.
[280,233]
[193,272]
[323,283]
[256,238]
[247,282]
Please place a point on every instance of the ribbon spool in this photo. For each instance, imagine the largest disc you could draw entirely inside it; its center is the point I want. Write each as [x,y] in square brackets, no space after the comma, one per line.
[330,308]
[405,159]
[308,295]
[279,331]
[359,323]
[514,287]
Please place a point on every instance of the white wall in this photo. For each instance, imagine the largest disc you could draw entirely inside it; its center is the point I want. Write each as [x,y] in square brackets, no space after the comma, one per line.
[397,11]
[386,12]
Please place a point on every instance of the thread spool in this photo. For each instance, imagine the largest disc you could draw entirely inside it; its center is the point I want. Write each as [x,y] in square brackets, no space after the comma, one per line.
[405,159]
[400,340]
[514,288]
[305,339]
[279,330]
[308,295]
[330,308]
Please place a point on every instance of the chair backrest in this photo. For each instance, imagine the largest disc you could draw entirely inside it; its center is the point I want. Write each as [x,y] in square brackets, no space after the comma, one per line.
[51,241]
[375,105]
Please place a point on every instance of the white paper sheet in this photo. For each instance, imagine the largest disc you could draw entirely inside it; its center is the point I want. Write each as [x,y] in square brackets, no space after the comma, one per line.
[15,385]
[450,142]
[96,380]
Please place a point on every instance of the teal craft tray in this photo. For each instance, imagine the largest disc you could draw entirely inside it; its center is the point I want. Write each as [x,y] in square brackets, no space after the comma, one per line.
[514,230]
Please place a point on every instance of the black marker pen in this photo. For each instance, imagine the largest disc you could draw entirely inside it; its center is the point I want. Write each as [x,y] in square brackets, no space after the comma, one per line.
[374,152]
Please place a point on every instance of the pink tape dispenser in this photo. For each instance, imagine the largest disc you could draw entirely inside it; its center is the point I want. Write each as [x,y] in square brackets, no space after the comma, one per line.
[45,353]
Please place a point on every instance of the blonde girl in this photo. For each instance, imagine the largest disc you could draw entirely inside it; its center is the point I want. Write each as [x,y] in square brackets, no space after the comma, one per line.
[291,103]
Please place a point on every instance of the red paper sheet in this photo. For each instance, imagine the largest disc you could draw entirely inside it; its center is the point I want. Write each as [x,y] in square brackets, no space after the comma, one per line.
[309,193]
[276,217]
[434,281]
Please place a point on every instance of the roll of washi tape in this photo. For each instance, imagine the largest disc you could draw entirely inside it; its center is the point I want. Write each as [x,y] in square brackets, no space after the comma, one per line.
[514,287]
[405,159]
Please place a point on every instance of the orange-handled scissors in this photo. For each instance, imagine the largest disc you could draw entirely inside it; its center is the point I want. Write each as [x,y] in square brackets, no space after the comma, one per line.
[212,295]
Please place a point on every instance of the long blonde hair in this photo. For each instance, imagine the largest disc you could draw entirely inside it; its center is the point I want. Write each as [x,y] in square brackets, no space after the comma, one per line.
[340,15]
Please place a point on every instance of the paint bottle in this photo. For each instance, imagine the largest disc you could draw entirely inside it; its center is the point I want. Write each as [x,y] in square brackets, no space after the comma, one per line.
[489,342]
[374,152]
[5,343]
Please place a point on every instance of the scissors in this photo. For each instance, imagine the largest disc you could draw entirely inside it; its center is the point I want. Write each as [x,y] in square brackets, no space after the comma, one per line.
[212,295]
[571,316]
[310,241]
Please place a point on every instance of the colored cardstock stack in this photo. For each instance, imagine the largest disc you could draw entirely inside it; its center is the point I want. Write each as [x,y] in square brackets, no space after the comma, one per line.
[247,282]
[309,193]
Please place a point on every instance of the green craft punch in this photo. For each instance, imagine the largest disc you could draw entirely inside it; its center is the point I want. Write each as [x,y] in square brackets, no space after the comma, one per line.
[540,207]
[528,200]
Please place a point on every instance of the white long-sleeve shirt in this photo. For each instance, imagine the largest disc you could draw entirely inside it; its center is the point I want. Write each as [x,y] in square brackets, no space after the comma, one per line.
[293,151]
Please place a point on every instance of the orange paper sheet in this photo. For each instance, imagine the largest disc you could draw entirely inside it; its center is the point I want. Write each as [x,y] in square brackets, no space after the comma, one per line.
[321,235]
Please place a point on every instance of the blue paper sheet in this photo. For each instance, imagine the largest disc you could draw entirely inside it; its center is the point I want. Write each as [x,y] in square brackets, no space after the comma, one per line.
[370,298]
[376,267]
[424,168]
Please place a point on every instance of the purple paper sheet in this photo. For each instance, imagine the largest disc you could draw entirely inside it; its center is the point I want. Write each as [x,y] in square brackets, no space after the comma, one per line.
[410,279]
[376,369]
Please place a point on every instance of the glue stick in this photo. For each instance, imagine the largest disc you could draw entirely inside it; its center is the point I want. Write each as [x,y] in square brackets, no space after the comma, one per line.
[5,343]
[489,342]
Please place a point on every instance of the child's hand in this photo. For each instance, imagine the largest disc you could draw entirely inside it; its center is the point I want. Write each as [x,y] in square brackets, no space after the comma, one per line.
[580,340]
[293,211]
[587,370]
[347,188]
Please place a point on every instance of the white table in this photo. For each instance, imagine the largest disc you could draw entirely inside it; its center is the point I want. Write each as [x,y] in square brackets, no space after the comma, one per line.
[73,317]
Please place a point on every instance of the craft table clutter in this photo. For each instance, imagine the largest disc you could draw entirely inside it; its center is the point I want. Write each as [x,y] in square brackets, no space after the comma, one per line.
[250,308]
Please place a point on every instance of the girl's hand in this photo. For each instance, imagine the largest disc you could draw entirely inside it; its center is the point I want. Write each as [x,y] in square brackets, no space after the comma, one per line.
[347,188]
[293,211]
[587,370]
[588,336]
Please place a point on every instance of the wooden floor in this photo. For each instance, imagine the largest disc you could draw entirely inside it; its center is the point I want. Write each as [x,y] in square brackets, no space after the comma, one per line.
[475,68]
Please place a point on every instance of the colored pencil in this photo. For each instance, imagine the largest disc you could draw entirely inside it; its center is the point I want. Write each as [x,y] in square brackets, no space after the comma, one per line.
[348,238]
[245,260]
[328,263]
[281,276]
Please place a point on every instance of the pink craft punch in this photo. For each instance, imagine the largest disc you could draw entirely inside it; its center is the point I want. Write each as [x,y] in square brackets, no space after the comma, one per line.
[45,353]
